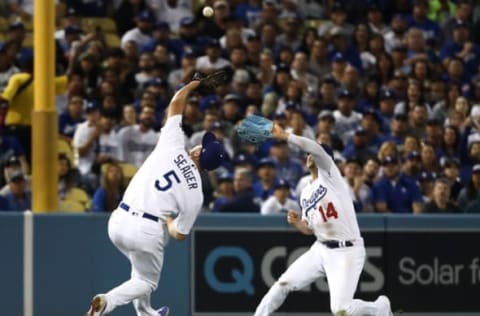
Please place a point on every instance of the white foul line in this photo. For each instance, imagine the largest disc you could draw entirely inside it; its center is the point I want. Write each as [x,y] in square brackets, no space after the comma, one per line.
[27,263]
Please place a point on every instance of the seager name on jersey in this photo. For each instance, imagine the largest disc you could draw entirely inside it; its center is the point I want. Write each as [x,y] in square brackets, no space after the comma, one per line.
[317,195]
[187,172]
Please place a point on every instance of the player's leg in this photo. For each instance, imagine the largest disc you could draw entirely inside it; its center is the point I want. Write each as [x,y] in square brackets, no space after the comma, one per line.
[146,258]
[306,269]
[343,268]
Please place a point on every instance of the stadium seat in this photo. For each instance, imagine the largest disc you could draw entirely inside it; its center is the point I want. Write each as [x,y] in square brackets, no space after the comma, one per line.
[71,206]
[106,24]
[3,24]
[64,147]
[79,196]
[28,42]
[128,170]
[315,23]
[112,40]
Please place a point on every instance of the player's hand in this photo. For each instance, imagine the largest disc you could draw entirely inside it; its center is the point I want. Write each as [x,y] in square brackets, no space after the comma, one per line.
[278,132]
[293,217]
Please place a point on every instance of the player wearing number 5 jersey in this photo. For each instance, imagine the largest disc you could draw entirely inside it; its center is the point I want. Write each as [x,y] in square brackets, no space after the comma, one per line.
[167,185]
[338,253]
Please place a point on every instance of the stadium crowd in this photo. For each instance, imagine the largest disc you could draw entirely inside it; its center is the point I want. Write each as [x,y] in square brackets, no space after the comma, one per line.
[392,86]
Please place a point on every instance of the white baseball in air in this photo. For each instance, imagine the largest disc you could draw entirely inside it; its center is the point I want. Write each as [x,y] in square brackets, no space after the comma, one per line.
[207,12]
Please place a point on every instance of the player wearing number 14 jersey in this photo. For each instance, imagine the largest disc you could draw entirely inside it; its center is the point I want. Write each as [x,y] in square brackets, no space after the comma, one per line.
[167,185]
[338,253]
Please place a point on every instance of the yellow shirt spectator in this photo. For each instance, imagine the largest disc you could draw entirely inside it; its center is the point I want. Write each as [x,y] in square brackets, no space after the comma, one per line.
[21,105]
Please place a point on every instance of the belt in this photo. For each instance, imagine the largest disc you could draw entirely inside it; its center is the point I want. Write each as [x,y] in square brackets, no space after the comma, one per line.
[151,217]
[333,244]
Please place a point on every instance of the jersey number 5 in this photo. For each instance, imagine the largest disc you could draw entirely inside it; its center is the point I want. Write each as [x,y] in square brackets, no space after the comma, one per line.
[168,179]
[331,212]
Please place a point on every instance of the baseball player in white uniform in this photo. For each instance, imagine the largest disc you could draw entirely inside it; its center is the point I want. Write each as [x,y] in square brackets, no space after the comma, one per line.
[167,185]
[338,253]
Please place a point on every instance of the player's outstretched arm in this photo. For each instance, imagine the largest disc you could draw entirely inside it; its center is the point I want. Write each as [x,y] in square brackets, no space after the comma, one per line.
[295,219]
[322,159]
[179,100]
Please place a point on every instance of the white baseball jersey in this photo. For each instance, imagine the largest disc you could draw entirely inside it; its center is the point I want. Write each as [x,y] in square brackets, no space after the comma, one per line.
[80,137]
[326,202]
[135,145]
[168,182]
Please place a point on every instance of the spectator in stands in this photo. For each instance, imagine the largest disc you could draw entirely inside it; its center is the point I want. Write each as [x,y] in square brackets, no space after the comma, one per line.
[19,95]
[225,192]
[471,191]
[245,199]
[360,192]
[426,182]
[318,61]
[85,142]
[212,59]
[172,11]
[440,202]
[279,202]
[107,197]
[395,193]
[346,118]
[267,176]
[7,66]
[126,12]
[412,165]
[137,141]
[420,20]
[209,117]
[358,147]
[141,34]
[451,171]
[69,120]
[338,18]
[463,14]
[10,166]
[217,25]
[396,36]
[184,74]
[462,47]
[287,167]
[291,35]
[129,116]
[429,158]
[145,69]
[20,197]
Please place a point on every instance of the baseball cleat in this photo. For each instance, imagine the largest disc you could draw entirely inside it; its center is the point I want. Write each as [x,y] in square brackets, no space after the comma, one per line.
[163,311]
[385,308]
[97,306]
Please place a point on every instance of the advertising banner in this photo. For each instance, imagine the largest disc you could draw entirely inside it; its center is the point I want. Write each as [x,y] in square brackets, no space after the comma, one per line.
[421,271]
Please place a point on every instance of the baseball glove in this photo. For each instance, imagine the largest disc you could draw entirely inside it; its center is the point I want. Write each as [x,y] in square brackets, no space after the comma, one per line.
[255,129]
[208,83]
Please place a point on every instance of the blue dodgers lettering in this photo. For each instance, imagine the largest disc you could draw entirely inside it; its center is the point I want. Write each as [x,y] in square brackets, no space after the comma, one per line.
[242,280]
[317,195]
[187,171]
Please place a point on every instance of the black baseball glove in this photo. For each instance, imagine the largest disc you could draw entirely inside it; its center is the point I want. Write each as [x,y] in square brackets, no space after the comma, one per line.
[208,83]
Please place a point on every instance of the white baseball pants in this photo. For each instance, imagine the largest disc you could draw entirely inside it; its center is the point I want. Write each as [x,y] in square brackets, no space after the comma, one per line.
[142,241]
[342,267]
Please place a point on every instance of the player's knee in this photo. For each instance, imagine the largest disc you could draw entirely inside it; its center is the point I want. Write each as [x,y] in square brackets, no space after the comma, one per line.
[285,286]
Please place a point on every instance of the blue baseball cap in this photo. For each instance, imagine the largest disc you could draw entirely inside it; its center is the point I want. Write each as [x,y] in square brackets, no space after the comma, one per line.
[225,177]
[387,94]
[187,22]
[212,153]
[146,15]
[413,155]
[208,101]
[244,158]
[91,106]
[338,57]
[162,26]
[389,160]
[281,184]
[267,161]
[345,94]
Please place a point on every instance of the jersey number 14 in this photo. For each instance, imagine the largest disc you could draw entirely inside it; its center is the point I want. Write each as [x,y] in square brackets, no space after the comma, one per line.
[331,212]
